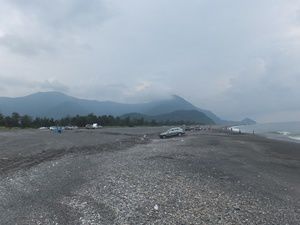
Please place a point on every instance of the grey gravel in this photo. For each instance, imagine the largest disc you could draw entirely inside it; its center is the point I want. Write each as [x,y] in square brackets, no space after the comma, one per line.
[129,176]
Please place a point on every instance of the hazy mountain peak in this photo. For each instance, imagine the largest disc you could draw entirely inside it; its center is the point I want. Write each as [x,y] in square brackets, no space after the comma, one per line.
[48,94]
[248,121]
[178,98]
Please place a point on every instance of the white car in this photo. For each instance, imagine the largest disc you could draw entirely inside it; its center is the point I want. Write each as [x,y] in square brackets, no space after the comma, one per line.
[176,131]
[71,127]
[93,126]
[43,128]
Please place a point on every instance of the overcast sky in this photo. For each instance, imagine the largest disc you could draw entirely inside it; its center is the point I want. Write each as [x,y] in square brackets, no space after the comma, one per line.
[236,58]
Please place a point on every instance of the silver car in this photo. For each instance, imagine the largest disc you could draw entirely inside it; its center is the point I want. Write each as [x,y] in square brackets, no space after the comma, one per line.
[176,131]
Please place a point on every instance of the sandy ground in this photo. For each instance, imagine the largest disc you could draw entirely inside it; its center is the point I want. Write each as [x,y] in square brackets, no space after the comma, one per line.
[121,176]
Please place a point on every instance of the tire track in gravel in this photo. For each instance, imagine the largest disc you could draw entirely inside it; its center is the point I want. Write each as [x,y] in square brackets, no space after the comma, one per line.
[18,163]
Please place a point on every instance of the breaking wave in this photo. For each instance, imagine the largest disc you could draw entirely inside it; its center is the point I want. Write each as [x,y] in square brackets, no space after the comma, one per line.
[295,137]
[285,133]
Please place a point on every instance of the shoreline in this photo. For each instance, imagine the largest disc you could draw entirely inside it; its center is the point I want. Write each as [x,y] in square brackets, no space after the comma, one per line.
[279,137]
[276,134]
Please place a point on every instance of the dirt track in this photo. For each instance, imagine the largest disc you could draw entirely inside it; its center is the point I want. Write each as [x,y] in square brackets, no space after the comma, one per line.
[120,176]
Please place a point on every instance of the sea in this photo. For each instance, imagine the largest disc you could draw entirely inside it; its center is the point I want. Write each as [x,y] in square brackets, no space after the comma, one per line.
[288,131]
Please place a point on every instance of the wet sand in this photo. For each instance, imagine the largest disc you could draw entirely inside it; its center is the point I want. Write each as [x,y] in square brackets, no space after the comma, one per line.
[121,176]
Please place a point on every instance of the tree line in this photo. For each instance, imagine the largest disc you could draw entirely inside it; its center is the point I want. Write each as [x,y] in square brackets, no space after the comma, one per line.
[26,121]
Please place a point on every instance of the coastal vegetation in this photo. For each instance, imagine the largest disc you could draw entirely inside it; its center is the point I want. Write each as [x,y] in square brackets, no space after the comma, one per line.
[26,121]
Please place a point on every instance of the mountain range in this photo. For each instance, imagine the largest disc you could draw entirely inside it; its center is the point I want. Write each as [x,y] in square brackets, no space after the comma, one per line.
[57,105]
[191,116]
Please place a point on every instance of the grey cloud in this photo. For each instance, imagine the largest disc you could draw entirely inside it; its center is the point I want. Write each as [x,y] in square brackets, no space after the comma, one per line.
[130,93]
[11,84]
[52,85]
[64,14]
[102,91]
[13,81]
[25,45]
[237,58]
[261,91]
[51,26]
